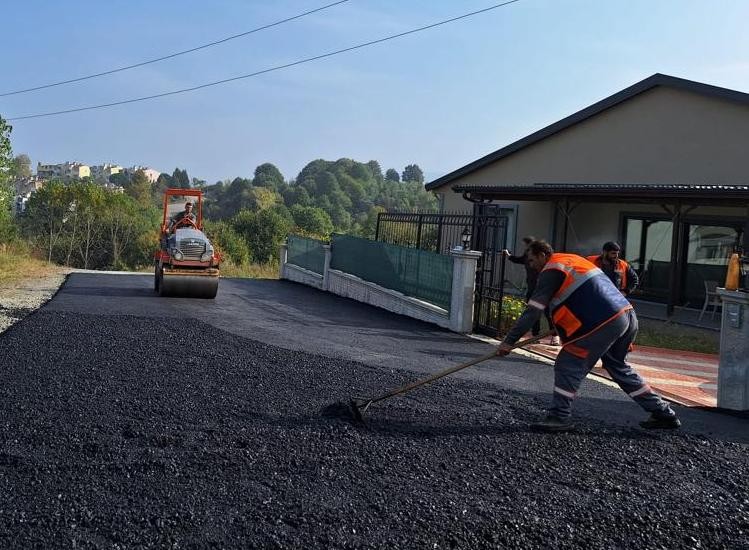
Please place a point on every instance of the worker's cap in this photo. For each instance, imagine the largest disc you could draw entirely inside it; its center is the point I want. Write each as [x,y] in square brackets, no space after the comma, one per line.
[611,245]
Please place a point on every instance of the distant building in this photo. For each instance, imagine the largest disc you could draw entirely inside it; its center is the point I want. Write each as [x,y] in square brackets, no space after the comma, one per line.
[101,172]
[150,173]
[27,185]
[19,203]
[66,170]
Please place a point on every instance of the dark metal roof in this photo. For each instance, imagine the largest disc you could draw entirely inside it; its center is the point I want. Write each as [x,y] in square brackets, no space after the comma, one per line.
[727,195]
[611,101]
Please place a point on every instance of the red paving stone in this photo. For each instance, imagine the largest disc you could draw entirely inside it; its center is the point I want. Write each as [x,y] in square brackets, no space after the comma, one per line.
[686,377]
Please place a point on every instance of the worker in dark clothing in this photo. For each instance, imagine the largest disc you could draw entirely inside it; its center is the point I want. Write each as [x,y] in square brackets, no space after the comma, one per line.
[531,276]
[186,214]
[595,321]
[620,272]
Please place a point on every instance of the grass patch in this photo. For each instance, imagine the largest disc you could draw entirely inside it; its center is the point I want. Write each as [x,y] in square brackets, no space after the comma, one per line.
[662,334]
[250,271]
[17,264]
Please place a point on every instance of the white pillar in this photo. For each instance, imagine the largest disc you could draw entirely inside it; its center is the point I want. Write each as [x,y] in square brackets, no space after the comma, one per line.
[733,368]
[328,254]
[464,286]
[283,256]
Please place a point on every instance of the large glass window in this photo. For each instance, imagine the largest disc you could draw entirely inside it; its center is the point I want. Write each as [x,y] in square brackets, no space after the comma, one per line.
[647,248]
[708,250]
[703,256]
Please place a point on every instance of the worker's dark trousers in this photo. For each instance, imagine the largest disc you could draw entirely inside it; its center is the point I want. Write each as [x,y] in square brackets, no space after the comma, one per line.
[611,344]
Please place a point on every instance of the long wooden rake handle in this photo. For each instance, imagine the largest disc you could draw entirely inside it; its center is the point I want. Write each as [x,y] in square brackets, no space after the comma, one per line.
[408,387]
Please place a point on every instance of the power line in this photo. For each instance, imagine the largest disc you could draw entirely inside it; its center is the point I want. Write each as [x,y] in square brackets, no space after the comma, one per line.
[263,71]
[170,56]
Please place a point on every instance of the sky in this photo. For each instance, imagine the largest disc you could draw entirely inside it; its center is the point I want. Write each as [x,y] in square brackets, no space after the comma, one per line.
[440,98]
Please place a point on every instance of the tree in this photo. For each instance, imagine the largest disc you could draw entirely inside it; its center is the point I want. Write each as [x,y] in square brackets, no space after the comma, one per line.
[228,242]
[6,192]
[181,179]
[392,175]
[120,178]
[312,220]
[267,175]
[21,166]
[412,172]
[139,187]
[263,231]
[374,167]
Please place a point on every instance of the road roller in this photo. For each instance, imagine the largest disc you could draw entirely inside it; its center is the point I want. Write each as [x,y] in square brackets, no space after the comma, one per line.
[186,264]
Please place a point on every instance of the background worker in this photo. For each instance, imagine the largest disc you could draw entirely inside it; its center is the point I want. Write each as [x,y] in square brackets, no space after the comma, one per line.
[595,321]
[531,277]
[620,272]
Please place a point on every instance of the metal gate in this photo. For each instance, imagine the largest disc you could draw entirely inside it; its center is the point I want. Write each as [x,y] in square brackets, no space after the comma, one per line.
[489,236]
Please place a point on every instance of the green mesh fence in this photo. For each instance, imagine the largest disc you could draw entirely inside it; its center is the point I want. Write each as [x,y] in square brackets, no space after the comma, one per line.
[416,273]
[306,253]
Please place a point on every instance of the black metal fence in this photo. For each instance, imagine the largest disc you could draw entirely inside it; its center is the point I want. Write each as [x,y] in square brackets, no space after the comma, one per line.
[434,231]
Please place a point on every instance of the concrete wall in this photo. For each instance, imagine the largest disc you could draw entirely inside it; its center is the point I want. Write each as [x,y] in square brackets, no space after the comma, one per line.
[458,319]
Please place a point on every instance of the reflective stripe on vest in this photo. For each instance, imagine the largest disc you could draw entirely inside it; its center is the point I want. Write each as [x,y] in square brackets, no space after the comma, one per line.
[586,299]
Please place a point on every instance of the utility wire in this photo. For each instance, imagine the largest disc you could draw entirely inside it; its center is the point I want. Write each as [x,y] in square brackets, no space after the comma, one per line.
[263,71]
[170,56]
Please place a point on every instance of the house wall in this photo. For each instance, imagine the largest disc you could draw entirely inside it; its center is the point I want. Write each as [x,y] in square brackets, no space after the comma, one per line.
[662,136]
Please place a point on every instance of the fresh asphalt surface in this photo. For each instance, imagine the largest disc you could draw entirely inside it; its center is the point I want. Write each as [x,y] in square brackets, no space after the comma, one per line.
[128,420]
[298,317]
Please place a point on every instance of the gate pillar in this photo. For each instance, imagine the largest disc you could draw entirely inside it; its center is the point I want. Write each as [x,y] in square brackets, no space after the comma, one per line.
[463,289]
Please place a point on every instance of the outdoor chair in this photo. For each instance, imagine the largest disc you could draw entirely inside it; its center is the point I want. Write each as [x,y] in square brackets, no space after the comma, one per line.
[711,299]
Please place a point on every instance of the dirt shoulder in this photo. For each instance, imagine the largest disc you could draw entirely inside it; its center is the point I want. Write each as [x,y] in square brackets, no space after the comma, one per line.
[21,296]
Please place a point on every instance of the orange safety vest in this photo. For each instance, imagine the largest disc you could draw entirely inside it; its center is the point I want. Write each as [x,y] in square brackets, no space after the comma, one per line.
[621,268]
[586,300]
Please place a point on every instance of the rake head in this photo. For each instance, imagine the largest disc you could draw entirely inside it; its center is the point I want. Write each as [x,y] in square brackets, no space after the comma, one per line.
[358,407]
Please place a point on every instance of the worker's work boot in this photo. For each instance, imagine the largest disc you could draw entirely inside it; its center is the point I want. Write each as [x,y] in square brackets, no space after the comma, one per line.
[553,424]
[661,422]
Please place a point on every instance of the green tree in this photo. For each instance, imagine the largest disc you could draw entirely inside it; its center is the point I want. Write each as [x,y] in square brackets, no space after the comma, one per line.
[228,242]
[45,218]
[312,220]
[412,172]
[374,167]
[120,178]
[392,175]
[267,175]
[21,166]
[139,188]
[262,198]
[263,230]
[7,228]
[181,179]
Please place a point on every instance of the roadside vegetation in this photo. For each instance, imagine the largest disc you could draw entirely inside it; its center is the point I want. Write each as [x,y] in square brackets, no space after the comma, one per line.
[17,264]
[83,224]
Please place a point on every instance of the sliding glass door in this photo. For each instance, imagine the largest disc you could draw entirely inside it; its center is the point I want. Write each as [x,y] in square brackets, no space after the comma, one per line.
[703,254]
[647,247]
[708,249]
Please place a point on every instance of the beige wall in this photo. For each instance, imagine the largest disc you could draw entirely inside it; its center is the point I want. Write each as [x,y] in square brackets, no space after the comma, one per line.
[663,135]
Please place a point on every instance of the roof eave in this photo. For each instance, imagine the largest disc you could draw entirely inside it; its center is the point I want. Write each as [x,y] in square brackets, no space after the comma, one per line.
[649,83]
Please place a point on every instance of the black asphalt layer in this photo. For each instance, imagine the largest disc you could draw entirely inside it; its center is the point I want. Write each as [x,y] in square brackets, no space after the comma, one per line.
[128,420]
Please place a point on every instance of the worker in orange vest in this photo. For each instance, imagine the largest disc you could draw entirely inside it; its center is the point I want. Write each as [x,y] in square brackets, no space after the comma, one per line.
[620,272]
[594,321]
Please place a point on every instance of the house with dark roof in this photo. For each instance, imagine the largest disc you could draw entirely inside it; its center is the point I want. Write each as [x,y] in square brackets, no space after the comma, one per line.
[661,167]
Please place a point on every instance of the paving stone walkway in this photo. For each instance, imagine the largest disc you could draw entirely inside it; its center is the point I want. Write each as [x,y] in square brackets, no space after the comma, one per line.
[686,377]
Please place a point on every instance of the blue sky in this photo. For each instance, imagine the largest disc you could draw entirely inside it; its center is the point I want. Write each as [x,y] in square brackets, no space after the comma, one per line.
[440,98]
